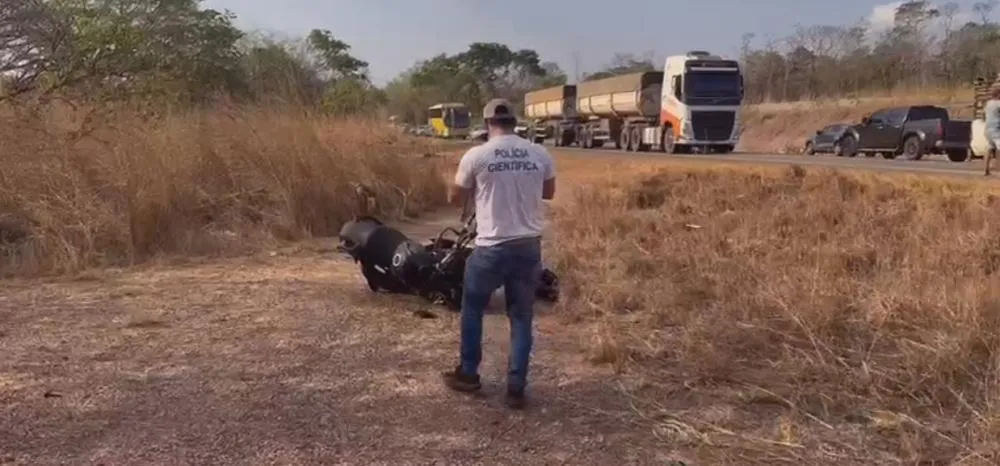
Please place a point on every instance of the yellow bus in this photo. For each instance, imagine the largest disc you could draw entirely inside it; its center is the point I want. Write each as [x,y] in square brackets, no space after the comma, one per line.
[449,120]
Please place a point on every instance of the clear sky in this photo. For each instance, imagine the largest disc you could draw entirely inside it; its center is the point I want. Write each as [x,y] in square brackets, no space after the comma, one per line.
[393,35]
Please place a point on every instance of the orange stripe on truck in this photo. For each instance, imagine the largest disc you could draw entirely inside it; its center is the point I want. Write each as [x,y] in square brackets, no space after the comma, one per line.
[667,118]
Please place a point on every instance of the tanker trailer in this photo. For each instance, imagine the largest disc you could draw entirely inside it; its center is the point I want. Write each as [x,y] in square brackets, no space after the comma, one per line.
[609,107]
[552,113]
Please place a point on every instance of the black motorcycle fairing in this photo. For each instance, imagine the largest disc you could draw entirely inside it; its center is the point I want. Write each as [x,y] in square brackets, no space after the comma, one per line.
[373,244]
[355,234]
[413,263]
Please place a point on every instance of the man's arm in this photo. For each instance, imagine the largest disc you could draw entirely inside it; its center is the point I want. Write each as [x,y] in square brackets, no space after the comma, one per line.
[549,185]
[549,189]
[458,195]
[465,181]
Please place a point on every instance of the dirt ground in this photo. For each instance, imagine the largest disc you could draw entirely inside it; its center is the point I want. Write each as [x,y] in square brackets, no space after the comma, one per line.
[283,358]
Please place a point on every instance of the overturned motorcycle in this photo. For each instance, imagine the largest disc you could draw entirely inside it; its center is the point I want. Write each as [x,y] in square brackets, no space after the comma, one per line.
[393,262]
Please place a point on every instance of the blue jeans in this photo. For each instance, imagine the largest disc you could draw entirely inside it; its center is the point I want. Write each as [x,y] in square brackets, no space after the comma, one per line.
[517,266]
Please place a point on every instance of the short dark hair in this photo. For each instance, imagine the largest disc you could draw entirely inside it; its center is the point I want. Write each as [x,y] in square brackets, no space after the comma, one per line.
[506,124]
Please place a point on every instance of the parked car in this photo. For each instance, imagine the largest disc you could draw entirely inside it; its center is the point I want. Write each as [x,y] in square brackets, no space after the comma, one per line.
[911,132]
[521,130]
[826,140]
[478,134]
[425,130]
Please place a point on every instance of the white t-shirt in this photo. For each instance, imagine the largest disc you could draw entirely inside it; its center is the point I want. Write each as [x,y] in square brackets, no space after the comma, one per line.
[507,173]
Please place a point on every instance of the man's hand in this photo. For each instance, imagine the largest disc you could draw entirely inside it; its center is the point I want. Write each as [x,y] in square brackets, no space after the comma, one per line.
[549,189]
[549,185]
[458,196]
[465,180]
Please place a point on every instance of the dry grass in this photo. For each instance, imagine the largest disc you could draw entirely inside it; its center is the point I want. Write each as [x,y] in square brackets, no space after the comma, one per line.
[758,316]
[772,317]
[783,127]
[283,358]
[81,188]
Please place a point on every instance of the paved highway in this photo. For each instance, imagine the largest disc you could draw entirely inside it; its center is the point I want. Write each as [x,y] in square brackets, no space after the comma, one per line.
[931,165]
[937,165]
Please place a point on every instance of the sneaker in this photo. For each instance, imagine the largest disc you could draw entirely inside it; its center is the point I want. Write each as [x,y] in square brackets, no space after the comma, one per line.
[515,398]
[461,382]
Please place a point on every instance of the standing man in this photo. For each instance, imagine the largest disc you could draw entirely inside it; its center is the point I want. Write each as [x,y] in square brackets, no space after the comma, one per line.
[992,117]
[507,177]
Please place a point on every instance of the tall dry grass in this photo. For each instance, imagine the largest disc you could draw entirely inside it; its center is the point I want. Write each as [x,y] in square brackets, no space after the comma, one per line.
[85,187]
[779,317]
[784,127]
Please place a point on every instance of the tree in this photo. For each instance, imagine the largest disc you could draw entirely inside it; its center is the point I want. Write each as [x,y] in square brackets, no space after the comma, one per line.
[174,51]
[984,10]
[482,72]
[497,70]
[273,70]
[334,57]
[352,96]
[135,46]
[623,63]
[926,46]
[32,42]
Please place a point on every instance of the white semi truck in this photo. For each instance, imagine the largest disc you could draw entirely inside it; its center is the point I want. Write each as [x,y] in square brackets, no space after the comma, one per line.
[693,103]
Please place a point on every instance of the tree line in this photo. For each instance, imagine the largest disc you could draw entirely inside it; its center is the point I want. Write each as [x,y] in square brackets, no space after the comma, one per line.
[925,46]
[172,51]
[177,51]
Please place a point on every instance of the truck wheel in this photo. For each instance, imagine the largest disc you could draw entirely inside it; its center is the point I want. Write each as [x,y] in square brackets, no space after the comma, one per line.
[958,155]
[588,139]
[913,148]
[568,137]
[625,139]
[847,145]
[636,139]
[667,140]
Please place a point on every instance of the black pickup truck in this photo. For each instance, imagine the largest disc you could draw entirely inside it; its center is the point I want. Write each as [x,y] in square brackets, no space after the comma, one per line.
[910,132]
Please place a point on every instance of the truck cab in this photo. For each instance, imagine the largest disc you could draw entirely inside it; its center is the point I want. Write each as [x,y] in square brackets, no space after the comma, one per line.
[700,103]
